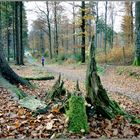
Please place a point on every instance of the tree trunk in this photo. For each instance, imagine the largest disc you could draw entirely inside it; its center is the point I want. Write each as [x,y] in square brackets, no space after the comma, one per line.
[56,30]
[67,34]
[137,42]
[74,41]
[7,32]
[17,34]
[131,27]
[96,94]
[13,20]
[112,23]
[21,34]
[5,70]
[105,30]
[83,32]
[49,27]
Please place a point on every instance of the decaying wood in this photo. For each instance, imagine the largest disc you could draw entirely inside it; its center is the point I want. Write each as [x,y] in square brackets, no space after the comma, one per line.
[57,89]
[39,78]
[96,94]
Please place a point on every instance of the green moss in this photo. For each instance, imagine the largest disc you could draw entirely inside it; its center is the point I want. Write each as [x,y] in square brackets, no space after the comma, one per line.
[136,61]
[77,115]
[17,93]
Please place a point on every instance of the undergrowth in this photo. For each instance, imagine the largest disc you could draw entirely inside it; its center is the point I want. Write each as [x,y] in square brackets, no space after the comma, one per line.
[115,55]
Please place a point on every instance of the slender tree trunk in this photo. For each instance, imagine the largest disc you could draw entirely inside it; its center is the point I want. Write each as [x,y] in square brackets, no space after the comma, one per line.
[56,30]
[131,12]
[83,32]
[17,33]
[49,27]
[74,41]
[7,32]
[105,38]
[67,34]
[137,42]
[112,19]
[21,34]
[13,19]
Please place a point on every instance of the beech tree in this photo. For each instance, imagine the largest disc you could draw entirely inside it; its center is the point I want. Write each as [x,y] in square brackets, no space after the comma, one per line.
[137,31]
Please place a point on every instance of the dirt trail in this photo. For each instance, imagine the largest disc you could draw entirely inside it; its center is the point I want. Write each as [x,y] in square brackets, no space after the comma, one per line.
[111,81]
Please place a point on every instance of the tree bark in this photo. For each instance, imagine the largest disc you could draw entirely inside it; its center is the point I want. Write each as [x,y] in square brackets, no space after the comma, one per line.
[105,31]
[137,31]
[7,72]
[74,41]
[21,34]
[83,32]
[17,33]
[49,27]
[56,30]
[13,22]
[96,94]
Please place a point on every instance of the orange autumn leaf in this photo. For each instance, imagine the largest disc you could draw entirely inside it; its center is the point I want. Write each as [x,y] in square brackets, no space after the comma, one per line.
[21,112]
[17,123]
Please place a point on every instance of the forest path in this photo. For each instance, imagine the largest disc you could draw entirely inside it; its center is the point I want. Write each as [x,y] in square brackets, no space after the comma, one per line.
[111,80]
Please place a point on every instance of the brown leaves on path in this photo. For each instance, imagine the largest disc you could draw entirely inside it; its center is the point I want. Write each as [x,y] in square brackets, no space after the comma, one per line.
[17,122]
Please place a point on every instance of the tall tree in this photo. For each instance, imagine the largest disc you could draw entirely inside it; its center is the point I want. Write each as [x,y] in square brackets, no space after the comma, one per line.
[105,31]
[5,70]
[83,32]
[17,33]
[21,33]
[56,28]
[49,28]
[73,13]
[112,17]
[137,31]
[8,31]
[13,29]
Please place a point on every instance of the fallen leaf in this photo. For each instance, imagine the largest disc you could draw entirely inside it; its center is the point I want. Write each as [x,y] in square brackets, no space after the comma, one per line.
[50,116]
[21,112]
[17,123]
[115,132]
[49,125]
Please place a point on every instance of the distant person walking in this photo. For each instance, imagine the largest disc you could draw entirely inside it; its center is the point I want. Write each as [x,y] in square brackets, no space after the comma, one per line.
[43,60]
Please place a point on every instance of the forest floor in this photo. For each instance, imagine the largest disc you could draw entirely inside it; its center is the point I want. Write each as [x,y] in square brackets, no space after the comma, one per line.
[122,84]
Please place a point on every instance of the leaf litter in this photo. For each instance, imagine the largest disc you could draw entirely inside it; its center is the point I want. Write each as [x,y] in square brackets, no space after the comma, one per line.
[18,122]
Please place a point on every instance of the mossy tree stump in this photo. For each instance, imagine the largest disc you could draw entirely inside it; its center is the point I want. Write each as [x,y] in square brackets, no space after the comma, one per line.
[97,95]
[57,89]
[77,114]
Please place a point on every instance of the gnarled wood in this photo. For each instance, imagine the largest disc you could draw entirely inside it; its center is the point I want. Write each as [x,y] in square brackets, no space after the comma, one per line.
[96,94]
[57,89]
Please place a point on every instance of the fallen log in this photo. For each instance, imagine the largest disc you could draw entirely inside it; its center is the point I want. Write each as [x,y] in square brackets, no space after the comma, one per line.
[39,78]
